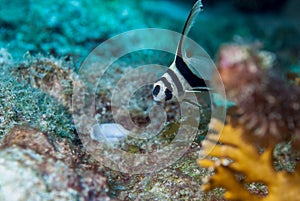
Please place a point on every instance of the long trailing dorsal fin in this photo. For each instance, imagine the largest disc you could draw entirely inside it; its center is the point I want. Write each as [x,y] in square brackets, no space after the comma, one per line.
[197,8]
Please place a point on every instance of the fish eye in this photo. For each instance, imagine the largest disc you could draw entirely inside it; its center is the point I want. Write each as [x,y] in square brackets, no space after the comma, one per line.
[168,94]
[156,90]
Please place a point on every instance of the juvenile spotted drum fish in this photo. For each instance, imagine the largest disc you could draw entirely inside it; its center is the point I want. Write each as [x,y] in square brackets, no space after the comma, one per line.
[182,76]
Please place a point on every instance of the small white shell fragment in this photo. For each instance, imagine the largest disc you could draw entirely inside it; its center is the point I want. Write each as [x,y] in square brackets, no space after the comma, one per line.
[109,133]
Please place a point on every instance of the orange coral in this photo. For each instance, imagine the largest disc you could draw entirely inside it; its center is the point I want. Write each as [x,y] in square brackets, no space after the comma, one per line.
[237,156]
[267,112]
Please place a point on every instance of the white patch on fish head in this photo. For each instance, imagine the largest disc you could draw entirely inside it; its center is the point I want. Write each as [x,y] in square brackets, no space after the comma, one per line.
[158,91]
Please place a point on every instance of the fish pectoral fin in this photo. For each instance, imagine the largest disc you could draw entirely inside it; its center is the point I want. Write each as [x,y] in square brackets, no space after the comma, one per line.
[201,107]
[199,90]
[192,103]
[191,91]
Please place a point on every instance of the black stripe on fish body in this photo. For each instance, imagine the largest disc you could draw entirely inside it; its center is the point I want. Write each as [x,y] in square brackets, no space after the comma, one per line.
[193,80]
[168,90]
[166,83]
[176,81]
[168,94]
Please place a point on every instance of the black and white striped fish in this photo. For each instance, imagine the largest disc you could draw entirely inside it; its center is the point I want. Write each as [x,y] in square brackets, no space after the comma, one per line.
[182,77]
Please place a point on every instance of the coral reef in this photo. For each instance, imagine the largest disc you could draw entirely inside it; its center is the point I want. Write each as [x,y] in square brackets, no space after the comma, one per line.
[33,168]
[38,161]
[272,112]
[54,76]
[242,61]
[42,143]
[21,103]
[41,157]
[46,76]
[65,27]
[265,121]
[181,181]
[266,104]
[235,156]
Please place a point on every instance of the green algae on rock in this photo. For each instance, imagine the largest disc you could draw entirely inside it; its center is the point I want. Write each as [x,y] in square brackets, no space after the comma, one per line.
[54,76]
[180,181]
[22,104]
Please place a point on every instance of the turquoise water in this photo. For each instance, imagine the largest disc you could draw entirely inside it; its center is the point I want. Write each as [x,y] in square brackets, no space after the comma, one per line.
[76,27]
[44,43]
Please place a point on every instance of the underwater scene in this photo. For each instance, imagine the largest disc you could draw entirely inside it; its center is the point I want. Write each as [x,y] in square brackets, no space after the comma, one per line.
[150,100]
